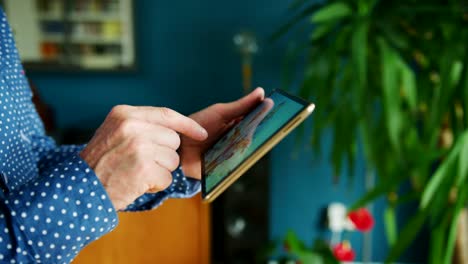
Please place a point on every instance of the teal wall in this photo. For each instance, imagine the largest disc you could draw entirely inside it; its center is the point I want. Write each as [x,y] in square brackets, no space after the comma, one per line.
[187,61]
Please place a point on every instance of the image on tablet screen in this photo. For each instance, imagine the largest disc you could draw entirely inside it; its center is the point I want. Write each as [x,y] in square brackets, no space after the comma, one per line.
[247,136]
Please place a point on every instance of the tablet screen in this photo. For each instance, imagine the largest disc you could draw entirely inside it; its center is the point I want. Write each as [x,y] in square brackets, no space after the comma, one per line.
[247,136]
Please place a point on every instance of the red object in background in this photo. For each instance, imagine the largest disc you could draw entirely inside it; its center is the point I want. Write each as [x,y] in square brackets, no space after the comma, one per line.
[362,219]
[49,50]
[344,252]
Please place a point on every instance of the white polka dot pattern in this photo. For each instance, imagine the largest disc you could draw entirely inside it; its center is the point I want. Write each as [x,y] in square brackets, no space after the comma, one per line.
[181,187]
[16,116]
[51,203]
[52,217]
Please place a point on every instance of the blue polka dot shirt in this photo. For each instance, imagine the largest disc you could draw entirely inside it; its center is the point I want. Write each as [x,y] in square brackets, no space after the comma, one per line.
[51,202]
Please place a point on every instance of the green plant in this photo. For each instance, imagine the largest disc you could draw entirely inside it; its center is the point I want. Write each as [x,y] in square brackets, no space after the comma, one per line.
[319,253]
[392,76]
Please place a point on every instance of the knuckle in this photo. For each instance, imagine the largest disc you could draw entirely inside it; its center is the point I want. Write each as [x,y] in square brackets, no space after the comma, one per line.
[174,139]
[174,161]
[119,110]
[126,127]
[166,113]
[218,106]
[136,147]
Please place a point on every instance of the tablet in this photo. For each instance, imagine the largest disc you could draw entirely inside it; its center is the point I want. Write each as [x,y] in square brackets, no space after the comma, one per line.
[249,140]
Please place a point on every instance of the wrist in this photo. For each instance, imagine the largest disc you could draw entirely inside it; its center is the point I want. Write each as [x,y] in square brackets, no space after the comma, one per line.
[113,195]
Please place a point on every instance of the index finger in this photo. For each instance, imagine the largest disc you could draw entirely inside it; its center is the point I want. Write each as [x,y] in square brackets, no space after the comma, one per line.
[171,119]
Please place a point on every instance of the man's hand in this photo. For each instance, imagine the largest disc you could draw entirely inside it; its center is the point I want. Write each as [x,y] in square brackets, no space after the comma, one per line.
[134,150]
[216,119]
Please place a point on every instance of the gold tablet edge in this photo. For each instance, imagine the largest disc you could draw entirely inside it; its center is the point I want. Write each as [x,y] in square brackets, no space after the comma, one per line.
[259,154]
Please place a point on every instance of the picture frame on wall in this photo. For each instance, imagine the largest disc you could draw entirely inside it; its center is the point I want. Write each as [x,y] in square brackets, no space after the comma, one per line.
[78,35]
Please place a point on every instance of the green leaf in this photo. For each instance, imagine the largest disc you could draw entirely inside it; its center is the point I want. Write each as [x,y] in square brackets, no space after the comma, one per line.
[366,6]
[310,258]
[463,160]
[367,140]
[394,36]
[295,245]
[455,72]
[332,11]
[452,235]
[441,98]
[391,93]
[323,249]
[390,225]
[440,174]
[383,187]
[369,197]
[266,251]
[437,244]
[359,59]
[321,30]
[464,88]
[409,85]
[407,235]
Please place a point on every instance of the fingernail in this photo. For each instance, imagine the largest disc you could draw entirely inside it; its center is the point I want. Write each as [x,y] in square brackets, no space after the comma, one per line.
[262,90]
[203,132]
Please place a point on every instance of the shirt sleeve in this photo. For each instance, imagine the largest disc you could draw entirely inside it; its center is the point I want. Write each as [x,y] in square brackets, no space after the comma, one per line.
[181,187]
[51,218]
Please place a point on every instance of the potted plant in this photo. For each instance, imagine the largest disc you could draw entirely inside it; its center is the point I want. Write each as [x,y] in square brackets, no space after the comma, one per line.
[393,77]
[338,249]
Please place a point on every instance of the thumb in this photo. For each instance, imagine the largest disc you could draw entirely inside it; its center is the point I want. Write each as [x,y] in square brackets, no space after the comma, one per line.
[232,110]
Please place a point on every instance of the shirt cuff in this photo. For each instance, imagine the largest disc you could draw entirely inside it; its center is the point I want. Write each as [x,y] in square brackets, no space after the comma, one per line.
[181,187]
[62,210]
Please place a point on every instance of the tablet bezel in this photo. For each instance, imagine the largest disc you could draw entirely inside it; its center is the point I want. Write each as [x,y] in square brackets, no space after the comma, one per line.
[249,161]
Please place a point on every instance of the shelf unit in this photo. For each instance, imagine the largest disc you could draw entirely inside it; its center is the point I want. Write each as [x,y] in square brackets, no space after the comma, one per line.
[73,34]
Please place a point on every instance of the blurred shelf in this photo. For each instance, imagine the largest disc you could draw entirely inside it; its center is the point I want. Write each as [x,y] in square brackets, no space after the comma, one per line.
[56,37]
[50,16]
[97,62]
[93,16]
[95,40]
[51,66]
